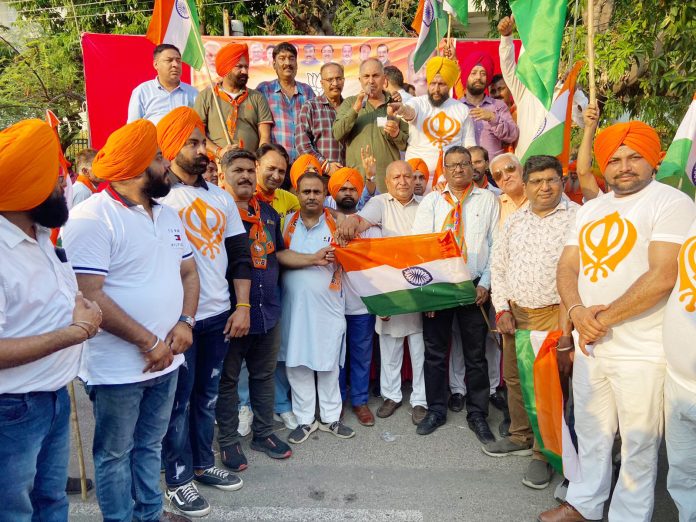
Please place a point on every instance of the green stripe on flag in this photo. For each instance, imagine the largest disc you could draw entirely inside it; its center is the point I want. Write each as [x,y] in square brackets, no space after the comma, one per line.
[429,298]
[435,32]
[549,143]
[192,53]
[459,9]
[672,170]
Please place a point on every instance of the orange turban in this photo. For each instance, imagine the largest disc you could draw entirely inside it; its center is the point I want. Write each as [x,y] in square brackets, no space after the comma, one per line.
[635,134]
[229,56]
[300,165]
[127,152]
[339,178]
[27,178]
[419,164]
[174,130]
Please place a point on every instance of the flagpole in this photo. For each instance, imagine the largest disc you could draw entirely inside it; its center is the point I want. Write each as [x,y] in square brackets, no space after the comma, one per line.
[437,32]
[199,42]
[449,27]
[591,52]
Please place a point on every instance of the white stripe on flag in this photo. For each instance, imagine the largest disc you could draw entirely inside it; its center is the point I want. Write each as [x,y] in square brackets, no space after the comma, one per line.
[179,27]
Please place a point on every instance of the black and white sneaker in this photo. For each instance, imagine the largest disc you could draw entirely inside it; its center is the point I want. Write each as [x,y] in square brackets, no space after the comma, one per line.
[219,478]
[188,501]
[337,428]
[302,433]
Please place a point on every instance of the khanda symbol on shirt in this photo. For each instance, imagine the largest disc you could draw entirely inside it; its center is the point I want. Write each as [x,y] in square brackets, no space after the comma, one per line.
[205,227]
[605,243]
[687,274]
[441,129]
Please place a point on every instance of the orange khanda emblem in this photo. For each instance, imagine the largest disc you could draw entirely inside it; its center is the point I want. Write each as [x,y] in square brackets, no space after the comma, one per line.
[605,243]
[441,129]
[687,274]
[205,237]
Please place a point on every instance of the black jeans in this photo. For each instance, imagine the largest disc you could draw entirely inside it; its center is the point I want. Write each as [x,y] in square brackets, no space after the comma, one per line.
[437,335]
[260,351]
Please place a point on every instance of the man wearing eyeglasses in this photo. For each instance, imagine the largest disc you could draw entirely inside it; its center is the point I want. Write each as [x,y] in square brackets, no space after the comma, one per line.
[472,215]
[523,277]
[507,173]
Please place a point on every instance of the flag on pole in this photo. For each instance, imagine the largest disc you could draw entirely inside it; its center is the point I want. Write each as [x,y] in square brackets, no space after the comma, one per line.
[457,8]
[540,24]
[543,399]
[431,25]
[678,167]
[553,136]
[175,22]
[399,275]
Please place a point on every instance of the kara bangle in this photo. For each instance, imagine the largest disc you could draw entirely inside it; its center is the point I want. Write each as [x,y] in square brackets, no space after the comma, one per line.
[572,308]
[566,349]
[89,335]
[157,341]
[243,305]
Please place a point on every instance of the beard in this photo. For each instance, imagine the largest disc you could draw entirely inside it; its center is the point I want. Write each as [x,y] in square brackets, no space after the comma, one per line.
[347,204]
[478,176]
[240,81]
[437,103]
[195,167]
[156,187]
[475,89]
[52,213]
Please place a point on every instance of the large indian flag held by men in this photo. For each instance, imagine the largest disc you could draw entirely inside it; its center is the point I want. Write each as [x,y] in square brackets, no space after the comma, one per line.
[399,275]
[175,22]
[678,168]
[543,399]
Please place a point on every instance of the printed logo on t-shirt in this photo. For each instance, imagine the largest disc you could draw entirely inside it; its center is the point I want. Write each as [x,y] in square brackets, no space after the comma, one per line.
[176,235]
[441,129]
[687,274]
[205,227]
[604,244]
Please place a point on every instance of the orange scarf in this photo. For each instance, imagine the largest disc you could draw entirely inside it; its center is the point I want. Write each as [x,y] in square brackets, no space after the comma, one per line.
[86,182]
[290,230]
[261,195]
[259,243]
[234,111]
[455,219]
[439,169]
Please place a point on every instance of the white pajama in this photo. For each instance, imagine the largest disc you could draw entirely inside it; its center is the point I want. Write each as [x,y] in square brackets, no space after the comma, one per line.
[457,371]
[608,393]
[680,435]
[392,356]
[304,394]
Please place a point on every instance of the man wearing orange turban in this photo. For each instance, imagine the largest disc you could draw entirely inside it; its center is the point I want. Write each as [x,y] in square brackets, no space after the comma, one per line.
[339,179]
[302,164]
[220,246]
[44,323]
[636,135]
[127,152]
[421,175]
[229,56]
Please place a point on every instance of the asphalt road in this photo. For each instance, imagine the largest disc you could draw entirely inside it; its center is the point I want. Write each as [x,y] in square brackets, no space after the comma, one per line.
[443,476]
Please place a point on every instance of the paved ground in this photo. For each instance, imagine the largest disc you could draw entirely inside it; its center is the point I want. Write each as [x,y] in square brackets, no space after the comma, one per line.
[443,476]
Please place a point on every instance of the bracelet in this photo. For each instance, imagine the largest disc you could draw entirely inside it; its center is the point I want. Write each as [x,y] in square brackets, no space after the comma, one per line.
[500,314]
[88,324]
[569,348]
[89,335]
[243,305]
[157,341]
[572,308]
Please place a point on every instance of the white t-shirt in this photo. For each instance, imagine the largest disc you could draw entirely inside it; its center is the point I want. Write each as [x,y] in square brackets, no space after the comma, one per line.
[80,193]
[679,326]
[141,259]
[209,216]
[37,296]
[613,235]
[449,125]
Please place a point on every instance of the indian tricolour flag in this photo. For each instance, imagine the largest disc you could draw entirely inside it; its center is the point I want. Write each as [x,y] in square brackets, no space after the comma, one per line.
[543,399]
[430,23]
[553,136]
[399,275]
[678,167]
[175,22]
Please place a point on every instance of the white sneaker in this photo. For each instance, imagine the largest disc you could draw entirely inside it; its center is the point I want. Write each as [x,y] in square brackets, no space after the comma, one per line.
[287,418]
[246,417]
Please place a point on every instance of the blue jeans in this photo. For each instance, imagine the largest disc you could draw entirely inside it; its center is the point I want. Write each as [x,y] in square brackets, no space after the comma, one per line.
[34,450]
[359,332]
[282,390]
[188,444]
[130,421]
[243,387]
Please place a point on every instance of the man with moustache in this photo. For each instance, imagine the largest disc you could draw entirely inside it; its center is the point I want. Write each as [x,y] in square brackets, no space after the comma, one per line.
[346,54]
[285,96]
[248,120]
[499,90]
[43,322]
[506,170]
[219,242]
[132,257]
[421,175]
[482,174]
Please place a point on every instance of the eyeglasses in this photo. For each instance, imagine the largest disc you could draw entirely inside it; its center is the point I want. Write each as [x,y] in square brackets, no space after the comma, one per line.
[509,169]
[333,80]
[538,183]
[461,165]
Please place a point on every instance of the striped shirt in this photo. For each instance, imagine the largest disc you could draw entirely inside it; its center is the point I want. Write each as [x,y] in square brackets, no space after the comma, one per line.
[313,134]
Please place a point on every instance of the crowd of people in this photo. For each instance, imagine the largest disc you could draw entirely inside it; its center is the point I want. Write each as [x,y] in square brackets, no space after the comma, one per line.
[195,284]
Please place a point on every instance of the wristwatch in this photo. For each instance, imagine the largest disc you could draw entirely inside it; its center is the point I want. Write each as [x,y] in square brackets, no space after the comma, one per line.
[190,321]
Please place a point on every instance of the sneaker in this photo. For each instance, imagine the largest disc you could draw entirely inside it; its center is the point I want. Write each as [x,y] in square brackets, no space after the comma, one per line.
[287,418]
[538,474]
[246,417]
[219,478]
[505,447]
[188,501]
[233,457]
[337,428]
[271,446]
[302,432]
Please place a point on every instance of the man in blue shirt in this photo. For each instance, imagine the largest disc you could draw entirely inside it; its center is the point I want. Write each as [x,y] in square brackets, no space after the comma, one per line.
[154,99]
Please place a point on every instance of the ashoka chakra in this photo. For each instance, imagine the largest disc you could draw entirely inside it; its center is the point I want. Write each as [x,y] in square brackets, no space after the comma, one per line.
[417,275]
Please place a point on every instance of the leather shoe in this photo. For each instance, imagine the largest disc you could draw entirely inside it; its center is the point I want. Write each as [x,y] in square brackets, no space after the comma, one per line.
[456,402]
[504,428]
[498,400]
[418,414]
[364,415]
[563,513]
[480,427]
[387,408]
[429,424]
